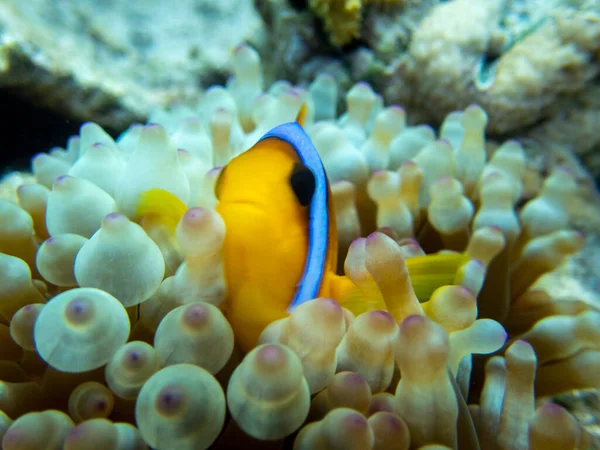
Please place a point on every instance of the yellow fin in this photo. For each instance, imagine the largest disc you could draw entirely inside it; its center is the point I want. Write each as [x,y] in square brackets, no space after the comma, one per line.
[356,302]
[429,272]
[351,296]
[301,117]
[160,206]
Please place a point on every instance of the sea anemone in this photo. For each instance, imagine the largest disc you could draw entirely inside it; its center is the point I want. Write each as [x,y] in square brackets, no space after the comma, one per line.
[113,324]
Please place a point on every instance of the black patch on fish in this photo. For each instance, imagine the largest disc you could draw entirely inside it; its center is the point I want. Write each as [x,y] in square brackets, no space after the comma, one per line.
[303,183]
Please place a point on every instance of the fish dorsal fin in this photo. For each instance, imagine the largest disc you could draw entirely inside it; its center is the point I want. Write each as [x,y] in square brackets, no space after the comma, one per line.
[301,117]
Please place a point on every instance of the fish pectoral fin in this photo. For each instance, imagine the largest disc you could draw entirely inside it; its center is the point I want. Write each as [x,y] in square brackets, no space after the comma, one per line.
[160,207]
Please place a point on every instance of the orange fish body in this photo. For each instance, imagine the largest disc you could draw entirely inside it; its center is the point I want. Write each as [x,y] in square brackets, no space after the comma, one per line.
[268,234]
[280,245]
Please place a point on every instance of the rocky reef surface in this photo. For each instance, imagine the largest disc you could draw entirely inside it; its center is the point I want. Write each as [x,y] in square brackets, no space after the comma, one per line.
[114,61]
[533,65]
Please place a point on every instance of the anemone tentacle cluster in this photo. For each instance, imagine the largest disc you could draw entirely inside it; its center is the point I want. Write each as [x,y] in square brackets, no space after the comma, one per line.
[113,325]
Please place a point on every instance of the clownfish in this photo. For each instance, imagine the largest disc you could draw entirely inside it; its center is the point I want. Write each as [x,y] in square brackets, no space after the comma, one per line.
[280,247]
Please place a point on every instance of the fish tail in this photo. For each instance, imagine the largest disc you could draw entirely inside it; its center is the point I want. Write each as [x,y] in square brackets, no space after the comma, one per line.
[351,297]
[429,272]
[160,206]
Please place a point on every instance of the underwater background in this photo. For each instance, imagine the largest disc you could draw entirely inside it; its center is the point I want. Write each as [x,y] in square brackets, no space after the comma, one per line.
[437,189]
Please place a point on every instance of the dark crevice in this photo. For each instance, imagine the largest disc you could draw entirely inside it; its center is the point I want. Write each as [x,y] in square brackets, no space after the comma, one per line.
[299,5]
[215,78]
[354,45]
[488,66]
[30,129]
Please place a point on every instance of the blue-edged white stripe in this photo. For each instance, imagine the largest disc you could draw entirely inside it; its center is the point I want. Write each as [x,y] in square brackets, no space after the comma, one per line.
[318,223]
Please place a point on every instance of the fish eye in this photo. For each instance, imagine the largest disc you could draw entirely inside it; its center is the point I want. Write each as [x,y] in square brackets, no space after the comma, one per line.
[303,183]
